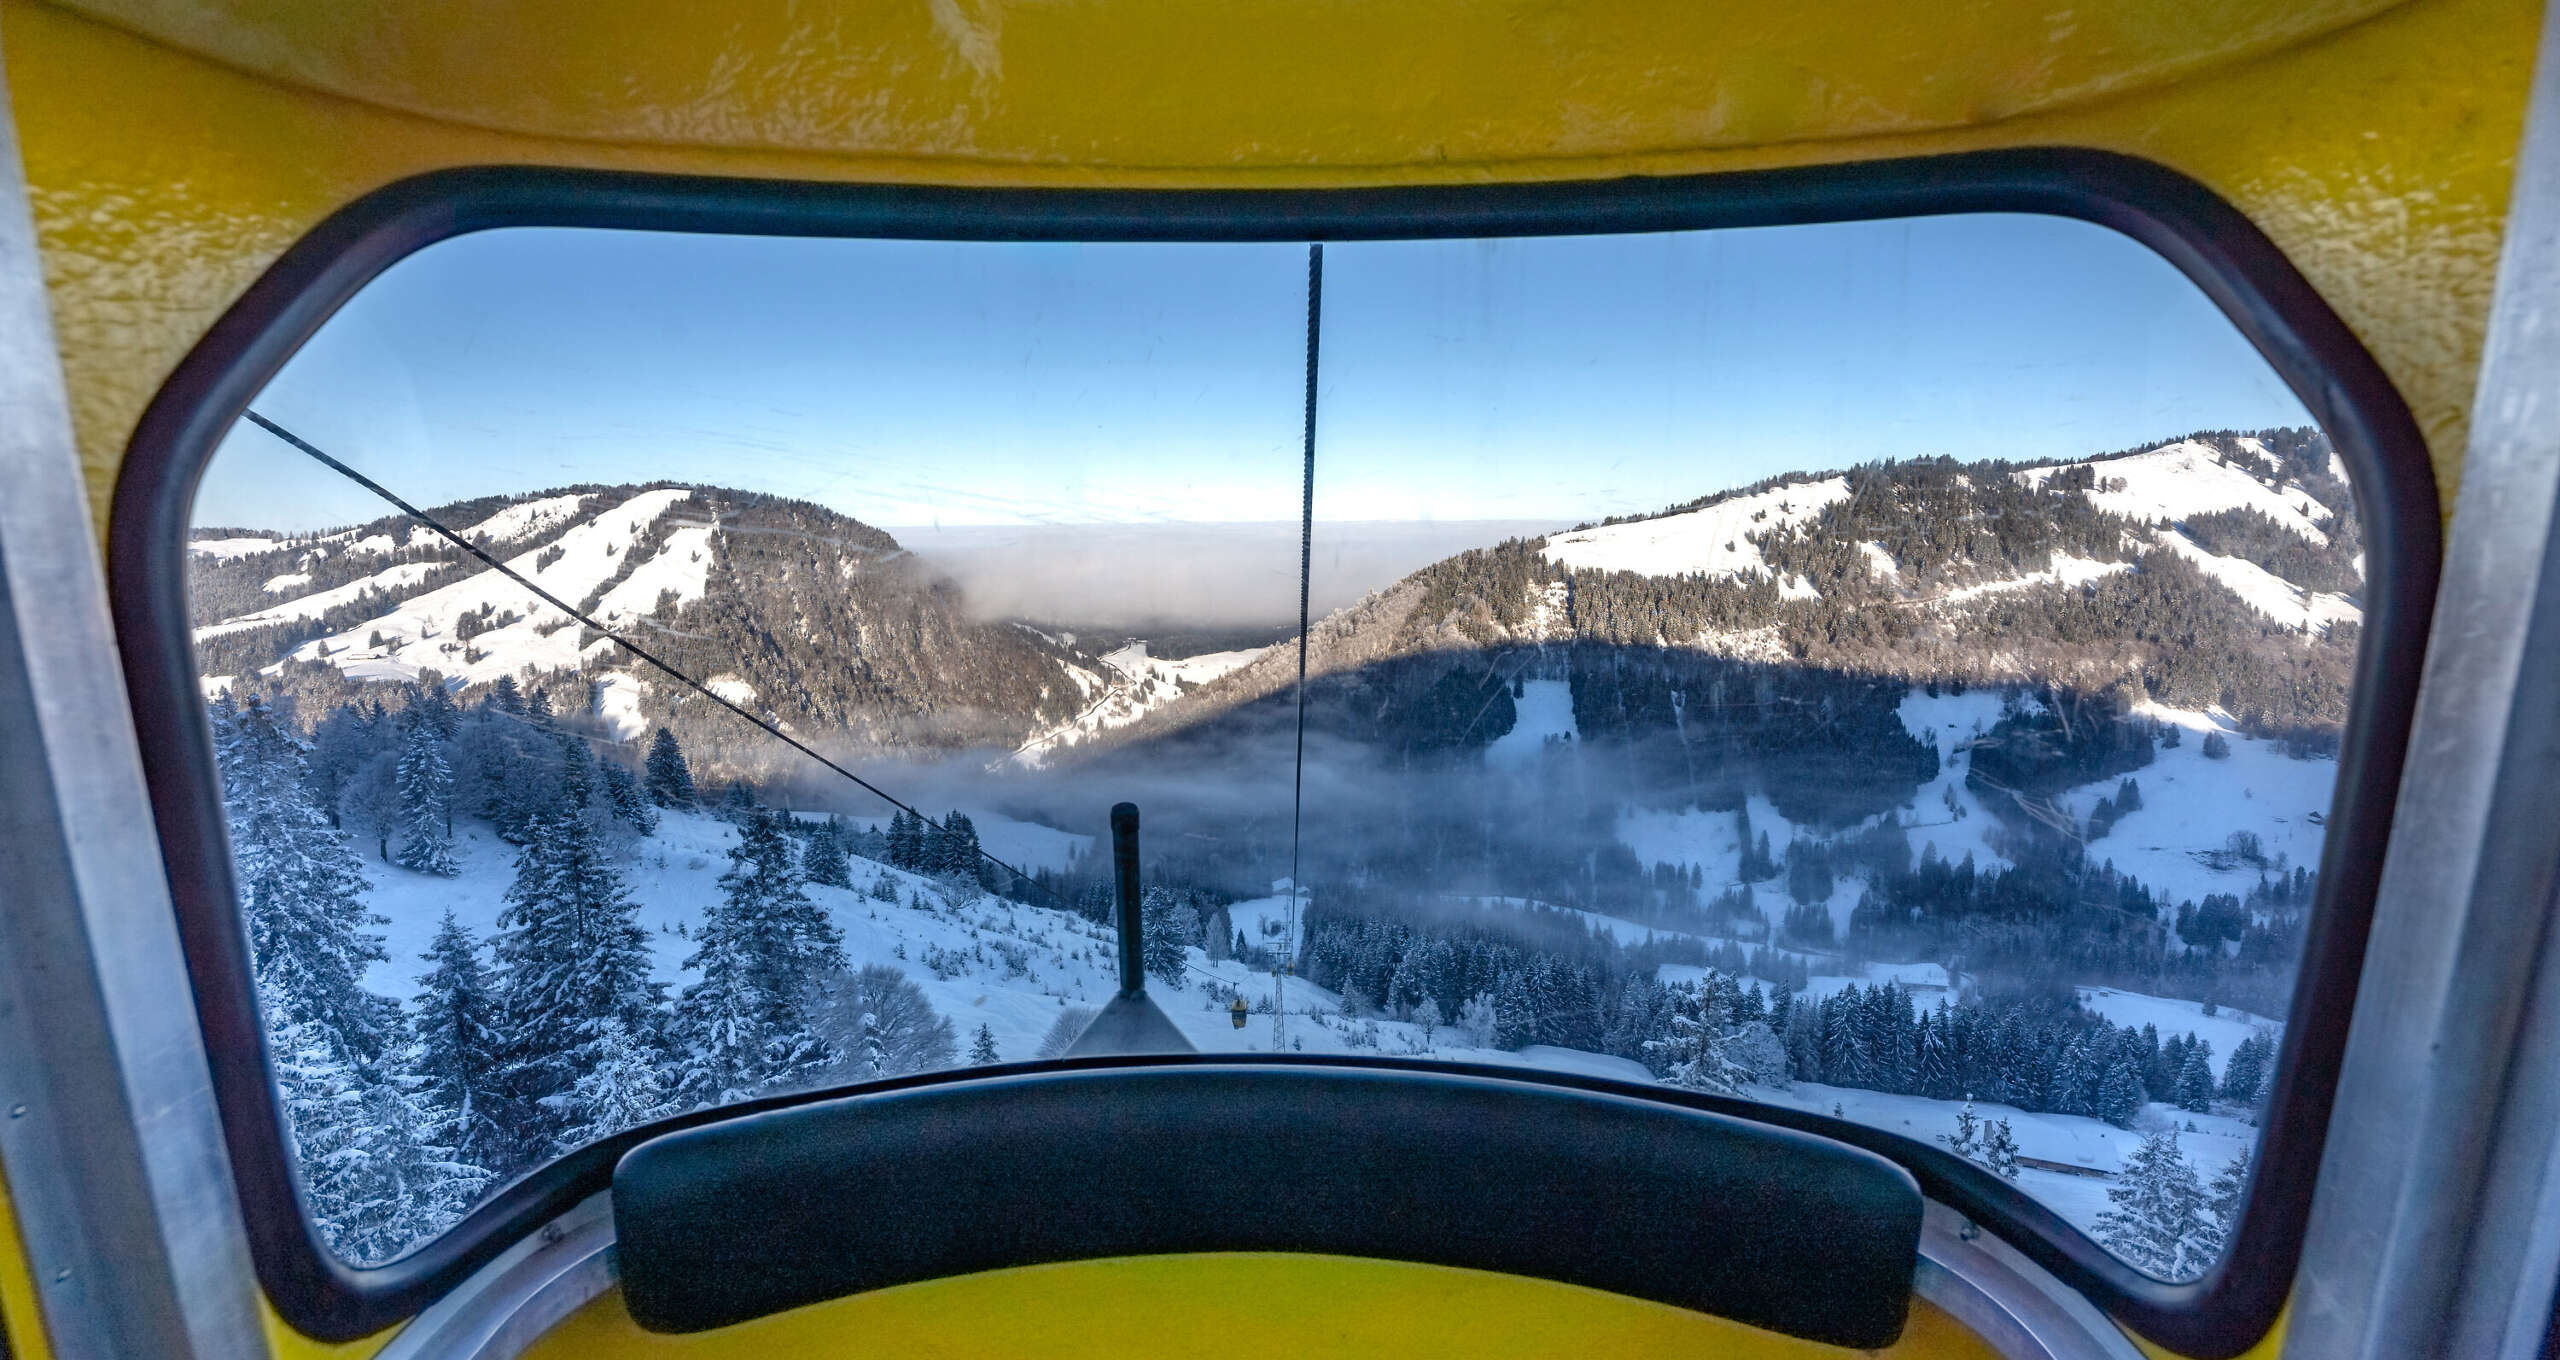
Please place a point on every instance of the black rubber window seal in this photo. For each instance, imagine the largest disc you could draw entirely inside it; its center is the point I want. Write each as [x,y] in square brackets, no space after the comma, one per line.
[2213,244]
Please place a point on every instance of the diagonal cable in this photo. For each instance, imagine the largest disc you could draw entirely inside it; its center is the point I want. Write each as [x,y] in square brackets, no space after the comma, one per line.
[626,644]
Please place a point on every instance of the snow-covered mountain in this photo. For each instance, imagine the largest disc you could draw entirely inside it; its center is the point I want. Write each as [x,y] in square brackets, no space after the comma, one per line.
[1132,684]
[2223,569]
[809,617]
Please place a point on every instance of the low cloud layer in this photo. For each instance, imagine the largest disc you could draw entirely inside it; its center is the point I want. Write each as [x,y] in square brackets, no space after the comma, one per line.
[1132,577]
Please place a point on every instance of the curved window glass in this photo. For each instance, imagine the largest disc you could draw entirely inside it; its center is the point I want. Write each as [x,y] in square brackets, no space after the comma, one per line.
[1890,670]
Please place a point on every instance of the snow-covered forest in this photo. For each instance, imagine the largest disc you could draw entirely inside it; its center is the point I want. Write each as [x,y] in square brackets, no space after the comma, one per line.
[1981,804]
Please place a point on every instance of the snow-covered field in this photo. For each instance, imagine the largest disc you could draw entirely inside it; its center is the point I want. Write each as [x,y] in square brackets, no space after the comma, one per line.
[1712,540]
[2191,803]
[1545,714]
[2069,1140]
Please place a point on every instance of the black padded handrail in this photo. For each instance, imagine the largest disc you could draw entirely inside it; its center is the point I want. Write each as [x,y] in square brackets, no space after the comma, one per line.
[1775,1228]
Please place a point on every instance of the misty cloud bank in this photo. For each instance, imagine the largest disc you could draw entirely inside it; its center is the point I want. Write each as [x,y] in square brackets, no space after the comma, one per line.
[1191,576]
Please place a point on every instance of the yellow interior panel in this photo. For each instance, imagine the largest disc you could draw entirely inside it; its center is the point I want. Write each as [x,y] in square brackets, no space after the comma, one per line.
[1242,83]
[24,1319]
[175,147]
[2375,150]
[1229,1304]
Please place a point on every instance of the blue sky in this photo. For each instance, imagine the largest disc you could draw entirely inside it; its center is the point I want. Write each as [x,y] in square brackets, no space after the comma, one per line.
[911,383]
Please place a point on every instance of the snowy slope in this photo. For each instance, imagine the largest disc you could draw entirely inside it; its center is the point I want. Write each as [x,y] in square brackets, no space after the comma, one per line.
[419,632]
[1545,710]
[525,519]
[1132,685]
[390,579]
[2225,1029]
[2266,592]
[1713,540]
[2191,805]
[232,547]
[2176,481]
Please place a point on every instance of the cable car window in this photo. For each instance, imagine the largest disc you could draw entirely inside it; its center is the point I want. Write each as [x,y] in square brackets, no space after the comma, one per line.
[1888,670]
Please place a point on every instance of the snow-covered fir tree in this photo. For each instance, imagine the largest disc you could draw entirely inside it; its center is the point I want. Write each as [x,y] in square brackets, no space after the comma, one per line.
[622,1088]
[2246,1068]
[1692,1054]
[759,952]
[2222,1203]
[824,860]
[2000,1149]
[622,793]
[982,1050]
[431,706]
[2195,1078]
[426,802]
[1966,1141]
[670,781]
[1166,925]
[300,889]
[2159,1222]
[906,840]
[458,1053]
[571,959]
[376,1179]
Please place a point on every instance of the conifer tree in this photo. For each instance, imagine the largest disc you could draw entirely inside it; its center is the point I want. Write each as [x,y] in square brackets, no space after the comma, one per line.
[2158,1223]
[983,1050]
[432,705]
[622,793]
[2222,1203]
[299,887]
[458,1055]
[2245,1068]
[760,951]
[2120,1094]
[425,783]
[572,957]
[2195,1078]
[2000,1149]
[376,1180]
[933,848]
[1692,1053]
[670,783]
[505,697]
[824,860]
[1966,1141]
[960,847]
[1167,925]
[622,1088]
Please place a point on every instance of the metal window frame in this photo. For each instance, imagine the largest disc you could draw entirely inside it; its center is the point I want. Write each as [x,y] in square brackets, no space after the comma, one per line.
[2215,246]
[111,1138]
[2440,1233]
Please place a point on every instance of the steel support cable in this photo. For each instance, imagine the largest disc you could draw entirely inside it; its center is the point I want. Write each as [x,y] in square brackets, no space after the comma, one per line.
[626,644]
[1306,571]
